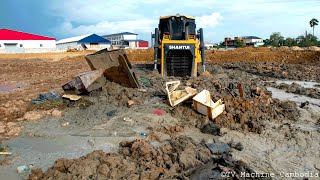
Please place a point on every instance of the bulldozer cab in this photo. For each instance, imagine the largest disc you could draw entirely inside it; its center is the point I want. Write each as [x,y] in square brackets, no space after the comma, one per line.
[178,47]
[178,27]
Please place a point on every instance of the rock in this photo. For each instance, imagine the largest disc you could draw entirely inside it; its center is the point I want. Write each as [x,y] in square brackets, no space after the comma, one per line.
[15,131]
[11,124]
[304,104]
[218,148]
[32,116]
[56,113]
[2,127]
[65,124]
[238,146]
[130,103]
[211,128]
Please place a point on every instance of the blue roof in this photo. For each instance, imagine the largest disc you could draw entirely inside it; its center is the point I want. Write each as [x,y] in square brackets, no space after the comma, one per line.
[123,33]
[251,37]
[94,39]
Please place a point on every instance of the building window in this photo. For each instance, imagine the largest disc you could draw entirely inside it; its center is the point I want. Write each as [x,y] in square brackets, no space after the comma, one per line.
[21,45]
[41,45]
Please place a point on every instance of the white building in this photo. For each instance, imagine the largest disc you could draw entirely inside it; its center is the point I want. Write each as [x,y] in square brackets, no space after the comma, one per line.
[12,41]
[253,41]
[209,45]
[89,42]
[126,40]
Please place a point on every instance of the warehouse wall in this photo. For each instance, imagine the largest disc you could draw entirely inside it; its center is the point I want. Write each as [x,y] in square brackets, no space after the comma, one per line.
[30,43]
[129,37]
[77,46]
[27,46]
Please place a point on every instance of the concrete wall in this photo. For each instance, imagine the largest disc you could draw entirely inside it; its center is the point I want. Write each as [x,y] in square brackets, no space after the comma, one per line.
[66,46]
[30,50]
[40,44]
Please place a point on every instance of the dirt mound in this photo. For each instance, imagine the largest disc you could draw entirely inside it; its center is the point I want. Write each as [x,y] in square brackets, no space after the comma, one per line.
[296,48]
[140,55]
[283,71]
[138,159]
[248,113]
[273,56]
[283,54]
[314,48]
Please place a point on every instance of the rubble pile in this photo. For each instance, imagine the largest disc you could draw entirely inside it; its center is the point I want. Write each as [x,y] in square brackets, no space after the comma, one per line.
[138,159]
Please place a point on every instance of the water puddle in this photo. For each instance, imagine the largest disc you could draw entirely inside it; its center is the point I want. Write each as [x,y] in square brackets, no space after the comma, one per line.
[305,84]
[282,95]
[43,152]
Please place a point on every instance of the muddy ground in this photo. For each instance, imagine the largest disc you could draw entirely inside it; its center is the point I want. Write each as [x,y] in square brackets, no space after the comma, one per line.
[259,132]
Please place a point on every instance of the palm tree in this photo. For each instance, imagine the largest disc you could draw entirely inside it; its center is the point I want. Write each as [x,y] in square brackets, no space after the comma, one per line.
[313,22]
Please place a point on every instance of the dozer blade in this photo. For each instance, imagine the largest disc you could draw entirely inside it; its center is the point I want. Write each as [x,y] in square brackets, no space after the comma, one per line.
[115,65]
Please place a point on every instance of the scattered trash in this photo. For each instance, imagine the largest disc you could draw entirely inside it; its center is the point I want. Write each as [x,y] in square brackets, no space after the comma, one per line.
[92,142]
[159,112]
[111,113]
[142,90]
[178,96]
[145,82]
[71,97]
[65,124]
[5,153]
[203,103]
[85,82]
[45,97]
[24,169]
[218,148]
[115,65]
[143,134]
[128,119]
[130,103]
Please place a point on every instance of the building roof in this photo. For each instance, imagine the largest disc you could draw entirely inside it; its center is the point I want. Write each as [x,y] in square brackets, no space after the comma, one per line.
[7,34]
[250,37]
[94,39]
[122,33]
[89,38]
[135,40]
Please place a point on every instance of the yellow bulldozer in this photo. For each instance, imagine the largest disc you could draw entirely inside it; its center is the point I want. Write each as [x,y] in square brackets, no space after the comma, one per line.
[178,47]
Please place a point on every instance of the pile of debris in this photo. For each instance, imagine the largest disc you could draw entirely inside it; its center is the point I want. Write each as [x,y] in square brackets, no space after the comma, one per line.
[112,65]
[115,67]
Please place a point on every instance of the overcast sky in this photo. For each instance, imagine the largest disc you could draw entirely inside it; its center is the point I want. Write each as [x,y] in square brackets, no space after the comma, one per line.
[67,18]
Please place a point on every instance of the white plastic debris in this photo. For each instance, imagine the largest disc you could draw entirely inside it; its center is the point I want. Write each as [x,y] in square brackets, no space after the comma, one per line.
[178,96]
[203,103]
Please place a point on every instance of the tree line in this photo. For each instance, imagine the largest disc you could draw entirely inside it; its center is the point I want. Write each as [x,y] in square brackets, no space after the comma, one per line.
[305,40]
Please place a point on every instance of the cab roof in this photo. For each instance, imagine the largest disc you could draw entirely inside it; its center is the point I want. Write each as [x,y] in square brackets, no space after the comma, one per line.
[166,17]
